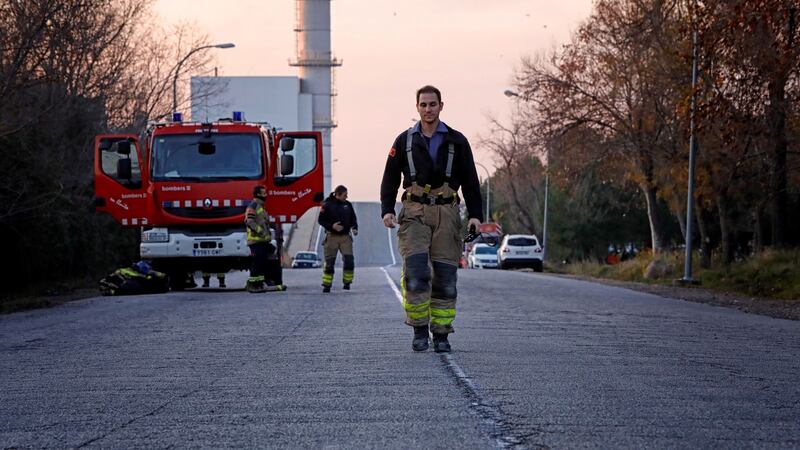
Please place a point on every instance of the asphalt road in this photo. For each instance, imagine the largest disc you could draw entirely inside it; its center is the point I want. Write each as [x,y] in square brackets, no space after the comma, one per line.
[538,362]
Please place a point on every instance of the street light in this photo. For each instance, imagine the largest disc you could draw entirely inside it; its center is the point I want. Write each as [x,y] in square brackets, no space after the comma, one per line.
[488,189]
[509,93]
[178,69]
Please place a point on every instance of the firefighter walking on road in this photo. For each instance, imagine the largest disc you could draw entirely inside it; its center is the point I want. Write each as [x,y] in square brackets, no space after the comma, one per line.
[264,268]
[435,161]
[338,217]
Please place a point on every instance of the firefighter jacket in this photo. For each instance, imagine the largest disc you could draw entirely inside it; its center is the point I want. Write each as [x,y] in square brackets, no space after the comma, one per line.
[463,174]
[334,210]
[257,221]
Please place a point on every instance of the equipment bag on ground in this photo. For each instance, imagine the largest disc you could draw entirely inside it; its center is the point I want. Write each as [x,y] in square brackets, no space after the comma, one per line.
[140,278]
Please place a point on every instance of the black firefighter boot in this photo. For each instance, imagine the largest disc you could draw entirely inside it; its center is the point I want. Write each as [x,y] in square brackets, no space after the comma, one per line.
[440,344]
[420,342]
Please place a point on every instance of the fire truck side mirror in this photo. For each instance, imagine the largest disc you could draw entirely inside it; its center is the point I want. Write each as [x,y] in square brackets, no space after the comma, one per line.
[124,168]
[287,165]
[287,144]
[124,147]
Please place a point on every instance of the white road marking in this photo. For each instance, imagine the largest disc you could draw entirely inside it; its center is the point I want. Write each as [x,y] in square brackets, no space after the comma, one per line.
[393,286]
[319,233]
[391,249]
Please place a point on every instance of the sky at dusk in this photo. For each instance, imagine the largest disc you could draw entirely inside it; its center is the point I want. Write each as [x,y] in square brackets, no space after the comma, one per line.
[466,48]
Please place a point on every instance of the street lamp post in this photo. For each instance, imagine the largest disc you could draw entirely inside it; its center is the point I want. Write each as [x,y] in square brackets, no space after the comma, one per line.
[488,189]
[544,225]
[180,63]
[687,265]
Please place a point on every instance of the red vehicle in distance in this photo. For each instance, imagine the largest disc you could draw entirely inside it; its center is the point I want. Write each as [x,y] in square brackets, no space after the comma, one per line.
[187,185]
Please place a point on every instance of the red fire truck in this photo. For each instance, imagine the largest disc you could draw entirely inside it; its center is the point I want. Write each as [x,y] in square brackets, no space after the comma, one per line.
[187,185]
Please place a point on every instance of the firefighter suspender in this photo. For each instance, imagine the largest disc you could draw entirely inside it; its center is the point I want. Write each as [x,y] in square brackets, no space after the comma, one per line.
[413,170]
[450,152]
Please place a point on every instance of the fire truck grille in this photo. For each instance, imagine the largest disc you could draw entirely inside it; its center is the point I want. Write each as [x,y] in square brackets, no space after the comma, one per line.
[200,213]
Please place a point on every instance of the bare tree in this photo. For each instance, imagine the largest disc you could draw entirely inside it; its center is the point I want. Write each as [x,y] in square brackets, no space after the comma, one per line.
[514,148]
[70,69]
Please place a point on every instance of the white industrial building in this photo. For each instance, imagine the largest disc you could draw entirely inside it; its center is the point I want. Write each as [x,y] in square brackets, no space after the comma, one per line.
[300,103]
[276,100]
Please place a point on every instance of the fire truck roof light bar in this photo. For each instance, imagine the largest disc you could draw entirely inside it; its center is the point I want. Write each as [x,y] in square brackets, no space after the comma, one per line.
[266,125]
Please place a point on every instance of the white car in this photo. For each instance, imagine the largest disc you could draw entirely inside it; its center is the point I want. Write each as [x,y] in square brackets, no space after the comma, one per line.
[306,260]
[520,250]
[482,256]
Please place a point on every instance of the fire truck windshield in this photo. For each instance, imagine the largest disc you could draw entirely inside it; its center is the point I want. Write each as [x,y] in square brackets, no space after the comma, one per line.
[231,157]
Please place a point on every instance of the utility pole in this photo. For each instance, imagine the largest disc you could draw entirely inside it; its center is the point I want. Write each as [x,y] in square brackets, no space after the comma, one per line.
[687,265]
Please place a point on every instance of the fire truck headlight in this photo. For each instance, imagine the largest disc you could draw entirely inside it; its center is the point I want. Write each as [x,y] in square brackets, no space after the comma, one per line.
[155,235]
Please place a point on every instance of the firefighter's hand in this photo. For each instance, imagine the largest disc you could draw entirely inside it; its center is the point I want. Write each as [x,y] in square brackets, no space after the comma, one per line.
[389,220]
[337,226]
[355,231]
[473,222]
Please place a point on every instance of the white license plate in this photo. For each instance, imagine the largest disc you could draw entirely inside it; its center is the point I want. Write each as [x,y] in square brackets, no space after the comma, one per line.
[522,253]
[207,252]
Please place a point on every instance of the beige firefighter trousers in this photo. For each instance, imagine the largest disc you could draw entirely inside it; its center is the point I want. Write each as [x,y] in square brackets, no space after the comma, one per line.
[430,243]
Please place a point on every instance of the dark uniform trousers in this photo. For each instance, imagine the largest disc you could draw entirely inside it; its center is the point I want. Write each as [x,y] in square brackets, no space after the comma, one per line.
[265,265]
[430,244]
[333,243]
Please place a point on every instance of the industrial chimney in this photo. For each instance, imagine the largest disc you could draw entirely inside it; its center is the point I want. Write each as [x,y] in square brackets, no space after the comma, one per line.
[316,64]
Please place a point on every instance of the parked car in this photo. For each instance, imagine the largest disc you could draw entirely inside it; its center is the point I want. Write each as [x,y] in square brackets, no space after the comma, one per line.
[520,250]
[306,260]
[482,256]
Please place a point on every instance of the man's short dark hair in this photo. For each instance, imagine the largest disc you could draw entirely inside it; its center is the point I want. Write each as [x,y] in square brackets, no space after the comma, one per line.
[428,89]
[340,189]
[257,189]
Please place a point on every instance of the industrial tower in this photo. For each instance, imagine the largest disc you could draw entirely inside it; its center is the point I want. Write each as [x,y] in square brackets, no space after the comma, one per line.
[316,63]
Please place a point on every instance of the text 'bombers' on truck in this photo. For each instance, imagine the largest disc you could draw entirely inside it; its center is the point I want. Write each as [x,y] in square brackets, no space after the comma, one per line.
[187,185]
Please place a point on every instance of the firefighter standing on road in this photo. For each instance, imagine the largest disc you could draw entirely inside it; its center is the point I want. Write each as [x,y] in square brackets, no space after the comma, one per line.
[338,217]
[434,160]
[264,269]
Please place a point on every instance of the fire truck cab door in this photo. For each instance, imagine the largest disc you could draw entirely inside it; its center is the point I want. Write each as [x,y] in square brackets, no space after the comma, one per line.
[297,177]
[118,185]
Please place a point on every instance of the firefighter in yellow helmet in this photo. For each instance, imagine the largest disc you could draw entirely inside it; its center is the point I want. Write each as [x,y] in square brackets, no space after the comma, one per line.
[338,217]
[434,161]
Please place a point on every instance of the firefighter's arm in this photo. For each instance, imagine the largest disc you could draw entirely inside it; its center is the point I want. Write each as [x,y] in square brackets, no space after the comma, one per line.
[470,185]
[391,179]
[323,219]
